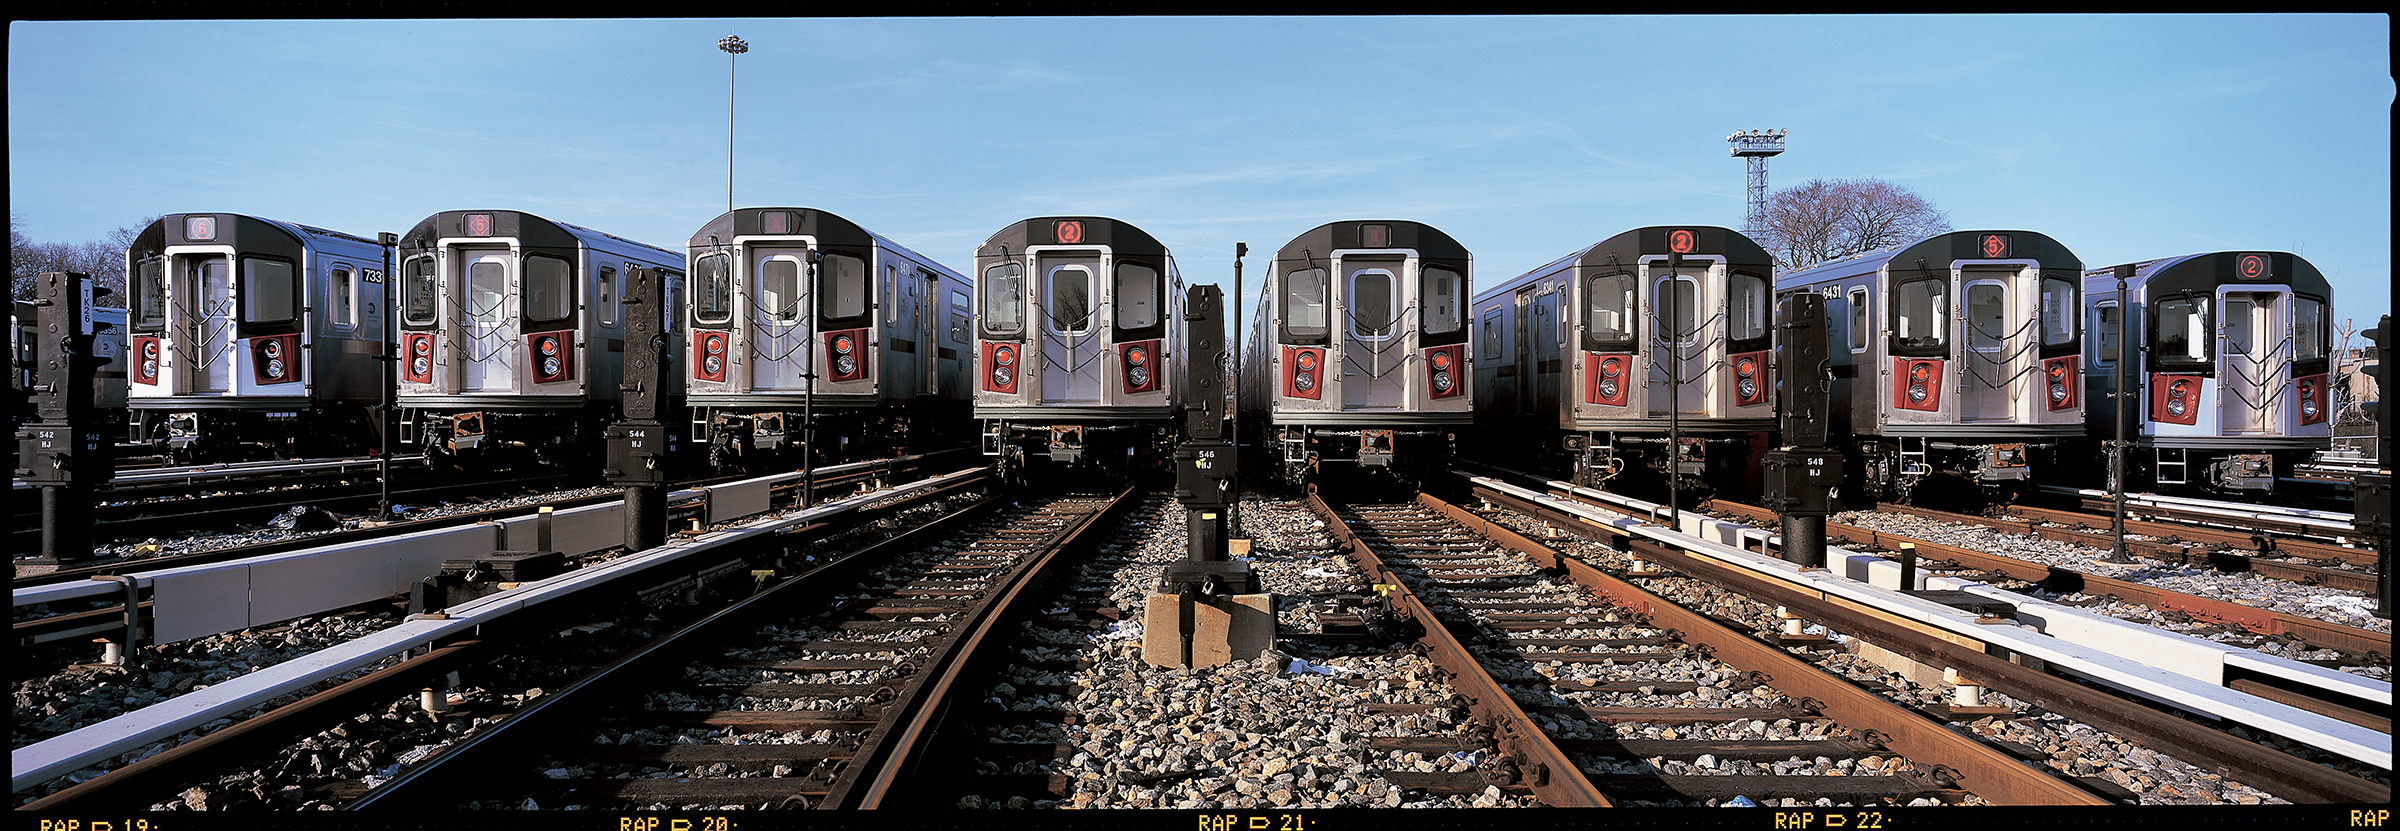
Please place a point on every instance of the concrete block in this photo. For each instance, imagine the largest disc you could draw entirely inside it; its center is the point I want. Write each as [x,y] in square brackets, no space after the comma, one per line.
[1234,628]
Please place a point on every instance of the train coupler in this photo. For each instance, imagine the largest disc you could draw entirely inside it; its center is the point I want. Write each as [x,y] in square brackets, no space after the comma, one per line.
[2244,472]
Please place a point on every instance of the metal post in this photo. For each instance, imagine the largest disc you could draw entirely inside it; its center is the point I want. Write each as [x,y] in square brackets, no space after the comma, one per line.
[391,377]
[733,48]
[808,400]
[1233,509]
[2123,429]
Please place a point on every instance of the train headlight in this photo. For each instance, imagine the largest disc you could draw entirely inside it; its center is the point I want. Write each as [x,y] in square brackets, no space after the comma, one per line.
[844,364]
[149,367]
[274,365]
[1139,375]
[1608,386]
[2058,391]
[713,363]
[550,365]
[1745,373]
[1003,376]
[421,365]
[1441,380]
[2177,403]
[2308,401]
[1304,380]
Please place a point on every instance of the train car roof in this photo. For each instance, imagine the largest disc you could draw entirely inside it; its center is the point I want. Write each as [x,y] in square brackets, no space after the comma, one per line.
[1631,247]
[1939,250]
[540,232]
[170,230]
[1117,234]
[2221,268]
[1424,239]
[827,227]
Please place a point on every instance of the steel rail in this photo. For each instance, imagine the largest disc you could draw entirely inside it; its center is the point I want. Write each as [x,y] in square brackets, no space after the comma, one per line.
[1982,770]
[1549,771]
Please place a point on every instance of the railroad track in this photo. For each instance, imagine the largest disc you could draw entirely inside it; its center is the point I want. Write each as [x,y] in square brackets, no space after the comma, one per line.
[830,681]
[1597,689]
[2289,770]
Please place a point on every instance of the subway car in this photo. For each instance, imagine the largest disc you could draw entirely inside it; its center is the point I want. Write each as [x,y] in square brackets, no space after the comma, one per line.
[1357,357]
[797,312]
[512,336]
[2231,375]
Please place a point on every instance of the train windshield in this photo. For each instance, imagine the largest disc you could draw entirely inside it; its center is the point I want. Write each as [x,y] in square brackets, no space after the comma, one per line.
[1746,307]
[1608,304]
[1004,299]
[150,293]
[1921,314]
[549,289]
[1443,290]
[2308,329]
[268,290]
[712,297]
[1136,296]
[2182,331]
[416,289]
[2059,311]
[845,283]
[1304,306]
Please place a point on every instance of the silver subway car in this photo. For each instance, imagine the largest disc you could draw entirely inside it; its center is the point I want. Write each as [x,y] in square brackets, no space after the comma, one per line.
[1077,343]
[803,324]
[1944,354]
[1358,354]
[512,334]
[253,338]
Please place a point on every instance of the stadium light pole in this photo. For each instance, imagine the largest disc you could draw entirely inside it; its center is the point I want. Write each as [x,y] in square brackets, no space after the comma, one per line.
[733,48]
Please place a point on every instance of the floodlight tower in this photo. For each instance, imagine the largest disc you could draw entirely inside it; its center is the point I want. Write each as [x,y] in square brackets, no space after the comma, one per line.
[1757,146]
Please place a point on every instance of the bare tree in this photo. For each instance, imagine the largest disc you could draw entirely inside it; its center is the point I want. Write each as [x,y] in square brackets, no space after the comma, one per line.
[102,258]
[1826,219]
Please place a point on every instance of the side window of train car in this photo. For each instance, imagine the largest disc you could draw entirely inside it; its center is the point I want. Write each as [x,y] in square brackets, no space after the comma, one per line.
[2308,329]
[417,290]
[891,293]
[1372,304]
[712,294]
[2181,333]
[2060,308]
[844,280]
[1746,306]
[1136,296]
[150,293]
[1004,300]
[959,304]
[779,289]
[1491,337]
[549,289]
[1921,315]
[341,297]
[1609,312]
[268,290]
[1861,319]
[608,296]
[1304,306]
[1445,292]
[1068,292]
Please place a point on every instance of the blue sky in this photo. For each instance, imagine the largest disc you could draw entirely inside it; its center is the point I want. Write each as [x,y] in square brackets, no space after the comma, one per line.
[2126,137]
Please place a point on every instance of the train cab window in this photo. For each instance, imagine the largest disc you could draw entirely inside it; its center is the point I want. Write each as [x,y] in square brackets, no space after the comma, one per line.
[1684,305]
[1861,322]
[712,296]
[341,297]
[1921,315]
[1004,299]
[1068,292]
[1609,313]
[2104,334]
[2308,329]
[2182,331]
[1371,304]
[268,290]
[779,289]
[150,293]
[844,279]
[1746,306]
[1136,296]
[549,289]
[1987,316]
[1444,291]
[2059,310]
[417,290]
[1304,306]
